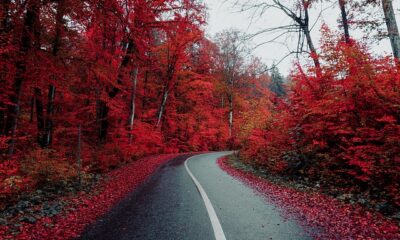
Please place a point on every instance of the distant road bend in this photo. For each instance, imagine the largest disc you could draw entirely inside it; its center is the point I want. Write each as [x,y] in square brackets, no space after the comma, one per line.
[192,198]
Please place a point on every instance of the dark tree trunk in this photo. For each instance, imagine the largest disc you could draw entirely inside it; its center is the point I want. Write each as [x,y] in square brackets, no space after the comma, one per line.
[144,102]
[345,22]
[4,28]
[102,113]
[78,156]
[59,27]
[392,28]
[48,129]
[13,109]
[32,112]
[4,25]
[306,30]
[39,116]
[313,51]
[2,118]
[103,109]
[131,49]
[48,134]
[31,16]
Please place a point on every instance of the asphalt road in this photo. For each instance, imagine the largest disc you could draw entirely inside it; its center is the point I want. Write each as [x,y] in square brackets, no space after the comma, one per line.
[171,206]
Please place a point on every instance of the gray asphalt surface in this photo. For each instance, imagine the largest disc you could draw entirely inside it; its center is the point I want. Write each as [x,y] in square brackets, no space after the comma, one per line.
[169,206]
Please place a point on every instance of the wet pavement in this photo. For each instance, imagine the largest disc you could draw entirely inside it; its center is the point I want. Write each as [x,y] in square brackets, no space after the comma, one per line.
[169,206]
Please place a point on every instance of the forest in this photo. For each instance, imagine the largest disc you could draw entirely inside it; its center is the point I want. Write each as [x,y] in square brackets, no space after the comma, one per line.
[89,86]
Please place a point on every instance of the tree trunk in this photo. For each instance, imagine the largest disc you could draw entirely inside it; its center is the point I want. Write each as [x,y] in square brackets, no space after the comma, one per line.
[313,51]
[230,114]
[4,28]
[345,22]
[59,27]
[102,112]
[31,16]
[5,5]
[103,108]
[39,116]
[44,123]
[2,118]
[78,157]
[48,134]
[144,102]
[306,30]
[131,49]
[133,105]
[162,106]
[14,109]
[391,25]
[48,131]
[32,112]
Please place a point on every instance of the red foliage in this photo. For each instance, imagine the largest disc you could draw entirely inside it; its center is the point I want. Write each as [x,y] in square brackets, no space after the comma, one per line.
[342,127]
[11,182]
[139,77]
[322,216]
[87,87]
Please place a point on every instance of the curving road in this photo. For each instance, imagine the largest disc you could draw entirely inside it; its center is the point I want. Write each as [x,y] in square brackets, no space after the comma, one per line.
[193,199]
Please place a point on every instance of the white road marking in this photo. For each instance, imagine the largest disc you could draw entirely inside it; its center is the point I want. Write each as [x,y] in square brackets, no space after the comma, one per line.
[218,232]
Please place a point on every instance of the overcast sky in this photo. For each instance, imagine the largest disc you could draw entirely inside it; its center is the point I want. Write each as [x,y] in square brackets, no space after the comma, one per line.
[223,16]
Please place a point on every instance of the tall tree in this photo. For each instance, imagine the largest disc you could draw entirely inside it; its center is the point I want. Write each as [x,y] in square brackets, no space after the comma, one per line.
[45,124]
[183,31]
[232,51]
[26,42]
[110,38]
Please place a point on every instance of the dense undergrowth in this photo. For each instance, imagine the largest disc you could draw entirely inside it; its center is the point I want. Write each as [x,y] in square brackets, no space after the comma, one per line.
[341,129]
[64,215]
